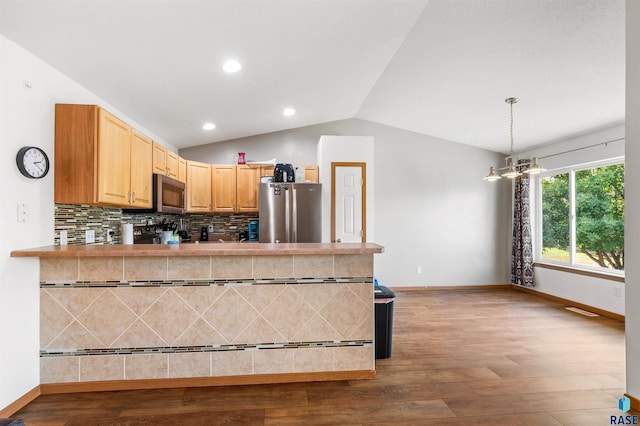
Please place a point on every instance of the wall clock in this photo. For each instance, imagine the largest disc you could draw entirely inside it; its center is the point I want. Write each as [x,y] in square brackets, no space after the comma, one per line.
[32,162]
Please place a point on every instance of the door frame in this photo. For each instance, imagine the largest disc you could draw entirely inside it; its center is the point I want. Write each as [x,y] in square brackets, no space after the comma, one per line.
[363,167]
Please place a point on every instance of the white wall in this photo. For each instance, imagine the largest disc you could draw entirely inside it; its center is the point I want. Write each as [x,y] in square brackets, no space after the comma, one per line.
[600,293]
[632,199]
[27,118]
[346,149]
[583,289]
[295,146]
[434,210]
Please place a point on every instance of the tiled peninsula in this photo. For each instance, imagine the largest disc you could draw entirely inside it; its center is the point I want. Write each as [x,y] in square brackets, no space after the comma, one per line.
[143,316]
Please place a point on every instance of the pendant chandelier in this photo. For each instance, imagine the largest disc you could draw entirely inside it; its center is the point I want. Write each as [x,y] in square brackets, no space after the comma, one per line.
[511,161]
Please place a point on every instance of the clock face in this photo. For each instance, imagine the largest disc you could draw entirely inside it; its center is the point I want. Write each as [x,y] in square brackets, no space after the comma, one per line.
[32,162]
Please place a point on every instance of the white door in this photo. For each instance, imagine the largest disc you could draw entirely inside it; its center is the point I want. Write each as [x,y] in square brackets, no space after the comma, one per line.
[348,206]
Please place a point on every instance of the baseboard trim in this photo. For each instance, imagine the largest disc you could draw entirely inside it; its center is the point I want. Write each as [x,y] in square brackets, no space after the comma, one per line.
[254,379]
[454,287]
[593,309]
[20,403]
[635,402]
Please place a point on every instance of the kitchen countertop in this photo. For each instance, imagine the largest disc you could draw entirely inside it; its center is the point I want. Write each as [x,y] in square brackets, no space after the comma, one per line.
[203,249]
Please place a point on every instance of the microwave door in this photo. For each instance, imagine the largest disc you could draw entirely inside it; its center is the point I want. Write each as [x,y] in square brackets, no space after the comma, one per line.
[169,195]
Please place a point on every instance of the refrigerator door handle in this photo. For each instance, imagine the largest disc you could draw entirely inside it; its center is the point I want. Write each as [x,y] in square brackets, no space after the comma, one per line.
[294,215]
[287,216]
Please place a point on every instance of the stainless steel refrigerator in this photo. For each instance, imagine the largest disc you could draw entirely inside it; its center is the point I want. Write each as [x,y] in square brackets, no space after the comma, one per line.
[290,212]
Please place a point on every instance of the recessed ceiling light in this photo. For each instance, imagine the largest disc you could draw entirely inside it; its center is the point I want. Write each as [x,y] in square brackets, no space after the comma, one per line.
[209,126]
[231,66]
[288,111]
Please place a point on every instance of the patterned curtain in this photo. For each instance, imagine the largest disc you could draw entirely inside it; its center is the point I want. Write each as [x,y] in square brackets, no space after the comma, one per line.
[521,245]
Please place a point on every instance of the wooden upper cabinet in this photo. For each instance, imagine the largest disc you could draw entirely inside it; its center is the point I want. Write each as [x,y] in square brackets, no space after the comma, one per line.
[159,159]
[93,158]
[198,187]
[312,174]
[76,154]
[182,169]
[173,167]
[141,170]
[114,160]
[223,184]
[248,183]
[165,162]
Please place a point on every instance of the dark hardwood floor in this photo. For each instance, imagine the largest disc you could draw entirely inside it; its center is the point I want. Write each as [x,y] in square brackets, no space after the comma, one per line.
[460,357]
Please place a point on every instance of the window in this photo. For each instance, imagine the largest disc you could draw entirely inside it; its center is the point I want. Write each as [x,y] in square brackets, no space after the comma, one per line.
[582,216]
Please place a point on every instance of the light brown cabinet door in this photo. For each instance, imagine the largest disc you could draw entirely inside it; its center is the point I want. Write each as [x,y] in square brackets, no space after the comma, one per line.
[173,167]
[223,183]
[75,173]
[182,169]
[198,187]
[311,173]
[141,170]
[266,171]
[159,159]
[248,182]
[114,159]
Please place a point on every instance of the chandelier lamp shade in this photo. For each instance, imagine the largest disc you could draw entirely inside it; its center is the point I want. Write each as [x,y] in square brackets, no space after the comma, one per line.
[513,168]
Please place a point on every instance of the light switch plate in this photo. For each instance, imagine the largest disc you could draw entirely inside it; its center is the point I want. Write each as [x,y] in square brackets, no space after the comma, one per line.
[22,212]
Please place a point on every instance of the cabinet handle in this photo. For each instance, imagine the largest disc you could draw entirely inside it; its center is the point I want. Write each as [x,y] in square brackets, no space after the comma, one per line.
[133,196]
[168,171]
[130,199]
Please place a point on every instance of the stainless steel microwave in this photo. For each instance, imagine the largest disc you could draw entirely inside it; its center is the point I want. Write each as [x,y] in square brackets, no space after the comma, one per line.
[168,196]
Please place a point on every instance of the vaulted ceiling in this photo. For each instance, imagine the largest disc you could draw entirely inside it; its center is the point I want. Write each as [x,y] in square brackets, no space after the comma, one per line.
[437,67]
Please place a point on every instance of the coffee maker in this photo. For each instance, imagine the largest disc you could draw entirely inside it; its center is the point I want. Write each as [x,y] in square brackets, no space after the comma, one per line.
[183,228]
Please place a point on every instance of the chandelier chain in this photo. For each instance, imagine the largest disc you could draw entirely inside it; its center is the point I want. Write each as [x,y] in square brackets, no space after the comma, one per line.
[511,126]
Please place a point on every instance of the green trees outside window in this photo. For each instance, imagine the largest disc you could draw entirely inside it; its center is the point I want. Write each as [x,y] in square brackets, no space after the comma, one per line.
[596,236]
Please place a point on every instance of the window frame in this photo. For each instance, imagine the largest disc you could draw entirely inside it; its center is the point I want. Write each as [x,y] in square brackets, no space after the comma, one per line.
[537,197]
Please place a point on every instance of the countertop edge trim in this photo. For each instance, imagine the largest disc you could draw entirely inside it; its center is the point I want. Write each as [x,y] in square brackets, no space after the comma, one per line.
[237,249]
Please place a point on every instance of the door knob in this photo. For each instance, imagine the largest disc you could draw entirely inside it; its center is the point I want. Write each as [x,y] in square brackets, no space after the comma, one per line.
[339,240]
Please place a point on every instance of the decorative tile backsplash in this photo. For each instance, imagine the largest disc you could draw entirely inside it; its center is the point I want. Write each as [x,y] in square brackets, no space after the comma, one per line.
[76,219]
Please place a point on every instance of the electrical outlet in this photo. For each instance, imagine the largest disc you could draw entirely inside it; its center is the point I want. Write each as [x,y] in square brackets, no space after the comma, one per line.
[419,270]
[63,238]
[617,291]
[110,236]
[89,236]
[210,229]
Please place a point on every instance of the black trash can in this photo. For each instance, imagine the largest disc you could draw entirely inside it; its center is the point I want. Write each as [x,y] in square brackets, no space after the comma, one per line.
[384,300]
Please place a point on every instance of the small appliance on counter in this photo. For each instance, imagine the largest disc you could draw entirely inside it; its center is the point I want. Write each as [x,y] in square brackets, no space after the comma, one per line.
[254,231]
[146,234]
[283,172]
[183,230]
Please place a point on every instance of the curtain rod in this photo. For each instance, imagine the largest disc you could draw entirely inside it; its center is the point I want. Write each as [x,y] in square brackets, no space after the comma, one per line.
[581,148]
